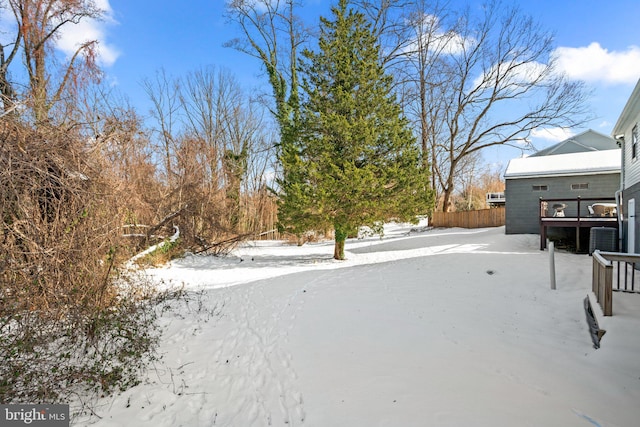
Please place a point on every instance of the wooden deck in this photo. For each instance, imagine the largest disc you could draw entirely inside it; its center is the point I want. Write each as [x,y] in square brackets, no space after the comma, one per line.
[577,216]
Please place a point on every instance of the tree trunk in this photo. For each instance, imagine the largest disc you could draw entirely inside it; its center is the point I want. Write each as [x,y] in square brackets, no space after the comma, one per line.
[424,124]
[446,199]
[340,236]
[338,251]
[447,192]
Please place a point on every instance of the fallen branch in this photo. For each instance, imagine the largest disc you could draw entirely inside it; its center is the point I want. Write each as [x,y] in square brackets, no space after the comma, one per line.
[164,221]
[225,244]
[153,248]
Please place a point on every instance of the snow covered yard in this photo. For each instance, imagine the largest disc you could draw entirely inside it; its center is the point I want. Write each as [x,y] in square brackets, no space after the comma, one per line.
[433,328]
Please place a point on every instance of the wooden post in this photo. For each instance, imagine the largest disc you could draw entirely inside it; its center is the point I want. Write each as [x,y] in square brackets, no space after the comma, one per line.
[552,264]
[542,212]
[607,304]
[595,271]
[603,282]
[578,228]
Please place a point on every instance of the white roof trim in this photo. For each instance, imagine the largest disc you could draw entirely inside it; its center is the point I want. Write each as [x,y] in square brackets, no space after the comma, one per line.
[629,111]
[588,163]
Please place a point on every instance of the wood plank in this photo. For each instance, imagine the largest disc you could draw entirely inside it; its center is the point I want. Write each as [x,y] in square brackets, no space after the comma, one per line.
[607,304]
[493,217]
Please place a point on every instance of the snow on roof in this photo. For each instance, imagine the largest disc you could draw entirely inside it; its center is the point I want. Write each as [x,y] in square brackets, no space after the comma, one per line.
[589,140]
[593,162]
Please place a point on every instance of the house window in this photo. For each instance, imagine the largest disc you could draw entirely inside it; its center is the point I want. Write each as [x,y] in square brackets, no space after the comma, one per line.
[540,188]
[581,186]
[634,142]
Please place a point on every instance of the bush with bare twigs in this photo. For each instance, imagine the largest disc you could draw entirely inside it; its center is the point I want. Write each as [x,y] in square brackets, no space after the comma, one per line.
[66,323]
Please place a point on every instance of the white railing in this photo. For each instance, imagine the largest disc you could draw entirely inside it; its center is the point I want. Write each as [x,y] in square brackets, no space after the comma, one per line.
[495,198]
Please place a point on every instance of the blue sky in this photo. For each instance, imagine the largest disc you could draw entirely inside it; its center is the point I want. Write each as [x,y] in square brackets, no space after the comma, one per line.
[598,41]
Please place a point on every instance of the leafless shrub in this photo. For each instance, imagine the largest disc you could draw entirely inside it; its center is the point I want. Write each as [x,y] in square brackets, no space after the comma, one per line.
[65,324]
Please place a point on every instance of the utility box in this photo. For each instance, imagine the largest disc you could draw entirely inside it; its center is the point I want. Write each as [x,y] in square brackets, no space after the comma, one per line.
[604,239]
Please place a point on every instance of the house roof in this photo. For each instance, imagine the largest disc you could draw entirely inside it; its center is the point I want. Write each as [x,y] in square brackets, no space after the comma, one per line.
[629,112]
[586,141]
[586,163]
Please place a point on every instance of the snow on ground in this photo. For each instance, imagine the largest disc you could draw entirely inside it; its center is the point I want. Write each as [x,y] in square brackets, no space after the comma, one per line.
[421,328]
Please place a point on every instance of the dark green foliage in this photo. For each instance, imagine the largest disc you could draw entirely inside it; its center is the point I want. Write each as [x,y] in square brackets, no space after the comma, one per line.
[296,199]
[357,162]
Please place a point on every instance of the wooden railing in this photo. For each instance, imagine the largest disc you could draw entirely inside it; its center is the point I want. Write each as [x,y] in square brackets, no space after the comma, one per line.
[576,213]
[494,217]
[602,282]
[577,207]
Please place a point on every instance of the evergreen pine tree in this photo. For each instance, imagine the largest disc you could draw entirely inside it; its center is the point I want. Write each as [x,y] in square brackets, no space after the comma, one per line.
[357,160]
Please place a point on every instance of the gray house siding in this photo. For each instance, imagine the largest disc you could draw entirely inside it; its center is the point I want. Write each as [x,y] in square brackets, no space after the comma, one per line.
[523,197]
[631,164]
[624,133]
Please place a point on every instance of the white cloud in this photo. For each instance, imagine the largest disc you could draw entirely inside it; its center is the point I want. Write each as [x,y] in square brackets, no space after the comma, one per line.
[73,35]
[436,38]
[104,5]
[455,44]
[594,63]
[557,134]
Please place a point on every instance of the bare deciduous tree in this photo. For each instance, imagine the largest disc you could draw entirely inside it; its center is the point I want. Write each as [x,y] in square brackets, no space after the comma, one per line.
[217,113]
[123,144]
[389,27]
[474,180]
[211,137]
[163,92]
[7,54]
[491,82]
[38,26]
[272,33]
[418,72]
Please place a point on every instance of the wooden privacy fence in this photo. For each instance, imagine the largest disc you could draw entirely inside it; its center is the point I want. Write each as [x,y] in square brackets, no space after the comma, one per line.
[494,217]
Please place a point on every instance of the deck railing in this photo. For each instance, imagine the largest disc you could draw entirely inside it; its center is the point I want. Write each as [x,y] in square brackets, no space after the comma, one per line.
[576,213]
[577,207]
[496,199]
[603,286]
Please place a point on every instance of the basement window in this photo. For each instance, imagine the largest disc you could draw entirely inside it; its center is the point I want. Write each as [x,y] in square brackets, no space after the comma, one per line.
[540,188]
[580,186]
